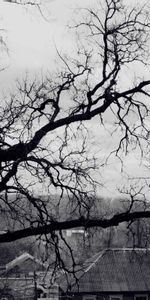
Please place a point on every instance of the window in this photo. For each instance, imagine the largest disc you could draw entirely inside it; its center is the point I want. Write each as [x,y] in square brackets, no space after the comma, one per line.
[116,297]
[89,297]
[141,297]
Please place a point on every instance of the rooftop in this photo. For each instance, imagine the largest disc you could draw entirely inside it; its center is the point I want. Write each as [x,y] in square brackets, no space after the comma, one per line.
[20,260]
[115,270]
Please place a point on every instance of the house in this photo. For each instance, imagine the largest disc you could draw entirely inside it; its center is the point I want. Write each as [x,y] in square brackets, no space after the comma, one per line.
[26,278]
[112,274]
[25,264]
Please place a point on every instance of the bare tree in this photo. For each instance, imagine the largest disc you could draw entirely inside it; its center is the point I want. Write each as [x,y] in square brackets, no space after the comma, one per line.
[31,3]
[43,134]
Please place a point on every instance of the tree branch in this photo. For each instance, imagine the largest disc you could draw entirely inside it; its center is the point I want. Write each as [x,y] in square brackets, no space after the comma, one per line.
[81,222]
[21,150]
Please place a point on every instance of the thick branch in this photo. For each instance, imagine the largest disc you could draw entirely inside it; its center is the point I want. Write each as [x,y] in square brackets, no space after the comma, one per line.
[81,222]
[22,150]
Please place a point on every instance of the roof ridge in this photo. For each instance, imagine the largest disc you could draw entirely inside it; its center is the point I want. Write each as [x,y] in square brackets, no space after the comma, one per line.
[97,258]
[19,259]
[127,249]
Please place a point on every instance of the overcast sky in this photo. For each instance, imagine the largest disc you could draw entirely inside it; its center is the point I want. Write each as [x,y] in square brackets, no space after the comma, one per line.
[31,41]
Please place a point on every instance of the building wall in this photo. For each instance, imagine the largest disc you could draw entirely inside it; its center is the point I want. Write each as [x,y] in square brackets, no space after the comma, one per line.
[100,296]
[25,289]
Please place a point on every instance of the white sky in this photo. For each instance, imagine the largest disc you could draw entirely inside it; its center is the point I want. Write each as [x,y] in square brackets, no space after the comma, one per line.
[31,42]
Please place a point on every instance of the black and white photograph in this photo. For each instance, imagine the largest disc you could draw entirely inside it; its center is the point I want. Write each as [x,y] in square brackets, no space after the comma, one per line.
[74,150]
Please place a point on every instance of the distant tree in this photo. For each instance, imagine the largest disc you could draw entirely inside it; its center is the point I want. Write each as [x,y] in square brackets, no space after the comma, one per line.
[30,3]
[43,135]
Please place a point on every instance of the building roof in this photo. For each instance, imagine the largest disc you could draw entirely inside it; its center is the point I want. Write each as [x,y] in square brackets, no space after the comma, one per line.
[21,260]
[115,270]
